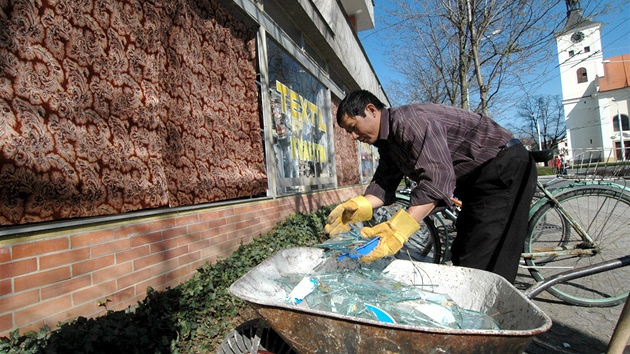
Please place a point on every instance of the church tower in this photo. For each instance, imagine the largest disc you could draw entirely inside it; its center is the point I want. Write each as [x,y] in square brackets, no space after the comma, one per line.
[580,60]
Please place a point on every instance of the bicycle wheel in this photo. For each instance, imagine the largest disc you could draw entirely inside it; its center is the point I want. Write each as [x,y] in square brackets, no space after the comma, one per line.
[604,212]
[423,246]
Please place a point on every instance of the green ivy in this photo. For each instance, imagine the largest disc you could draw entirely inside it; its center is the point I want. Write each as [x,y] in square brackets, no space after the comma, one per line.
[190,318]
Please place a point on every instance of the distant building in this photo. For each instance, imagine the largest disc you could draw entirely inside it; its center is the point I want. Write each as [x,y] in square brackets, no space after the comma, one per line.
[595,90]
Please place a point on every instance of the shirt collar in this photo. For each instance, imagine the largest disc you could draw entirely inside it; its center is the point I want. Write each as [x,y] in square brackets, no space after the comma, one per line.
[384,131]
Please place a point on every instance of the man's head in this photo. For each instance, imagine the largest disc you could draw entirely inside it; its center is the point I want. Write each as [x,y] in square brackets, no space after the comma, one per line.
[360,115]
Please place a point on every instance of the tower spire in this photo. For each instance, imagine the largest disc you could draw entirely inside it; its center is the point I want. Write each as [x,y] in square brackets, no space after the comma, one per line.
[575,19]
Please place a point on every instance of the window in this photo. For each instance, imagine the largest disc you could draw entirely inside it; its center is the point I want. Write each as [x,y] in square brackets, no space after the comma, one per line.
[587,49]
[301,125]
[624,122]
[581,75]
[571,53]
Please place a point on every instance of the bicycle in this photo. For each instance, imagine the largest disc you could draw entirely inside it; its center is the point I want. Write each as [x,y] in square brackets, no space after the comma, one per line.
[576,226]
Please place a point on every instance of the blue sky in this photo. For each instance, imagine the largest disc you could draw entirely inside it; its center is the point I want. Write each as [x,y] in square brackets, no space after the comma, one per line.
[615,39]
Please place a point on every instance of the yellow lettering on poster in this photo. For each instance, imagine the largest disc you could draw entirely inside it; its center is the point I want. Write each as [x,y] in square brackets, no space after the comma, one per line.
[300,108]
[307,151]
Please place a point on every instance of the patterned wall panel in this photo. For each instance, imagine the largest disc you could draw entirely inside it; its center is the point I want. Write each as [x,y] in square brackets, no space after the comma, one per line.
[111,106]
[346,154]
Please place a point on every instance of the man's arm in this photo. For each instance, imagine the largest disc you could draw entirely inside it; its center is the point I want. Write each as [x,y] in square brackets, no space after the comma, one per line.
[419,212]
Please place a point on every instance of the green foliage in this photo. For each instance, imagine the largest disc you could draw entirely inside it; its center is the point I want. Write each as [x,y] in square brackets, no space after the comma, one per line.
[192,317]
[546,171]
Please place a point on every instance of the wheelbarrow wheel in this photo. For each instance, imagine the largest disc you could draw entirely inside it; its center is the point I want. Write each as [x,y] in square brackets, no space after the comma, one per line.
[251,336]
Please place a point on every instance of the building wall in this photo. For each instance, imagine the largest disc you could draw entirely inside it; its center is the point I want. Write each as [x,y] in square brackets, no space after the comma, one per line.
[55,276]
[187,70]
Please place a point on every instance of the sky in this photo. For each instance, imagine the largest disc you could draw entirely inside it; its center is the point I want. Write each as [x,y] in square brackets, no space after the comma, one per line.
[615,39]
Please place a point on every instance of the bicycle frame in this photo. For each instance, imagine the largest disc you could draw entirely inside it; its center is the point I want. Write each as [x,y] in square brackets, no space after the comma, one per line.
[550,198]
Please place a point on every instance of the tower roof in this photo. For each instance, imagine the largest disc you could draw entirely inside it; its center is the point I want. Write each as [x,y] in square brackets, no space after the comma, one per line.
[575,19]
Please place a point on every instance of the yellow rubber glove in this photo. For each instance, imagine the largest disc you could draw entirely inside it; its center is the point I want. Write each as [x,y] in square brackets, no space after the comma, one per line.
[352,211]
[393,234]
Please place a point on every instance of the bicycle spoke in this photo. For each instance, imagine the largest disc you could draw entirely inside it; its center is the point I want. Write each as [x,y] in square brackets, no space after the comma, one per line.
[604,213]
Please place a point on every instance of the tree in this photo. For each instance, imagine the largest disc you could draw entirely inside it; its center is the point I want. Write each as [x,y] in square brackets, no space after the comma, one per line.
[468,53]
[541,120]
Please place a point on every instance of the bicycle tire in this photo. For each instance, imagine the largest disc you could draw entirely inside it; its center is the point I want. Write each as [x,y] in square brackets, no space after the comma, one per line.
[604,212]
[423,246]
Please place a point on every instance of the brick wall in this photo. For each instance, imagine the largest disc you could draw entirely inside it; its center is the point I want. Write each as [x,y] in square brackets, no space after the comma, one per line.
[50,277]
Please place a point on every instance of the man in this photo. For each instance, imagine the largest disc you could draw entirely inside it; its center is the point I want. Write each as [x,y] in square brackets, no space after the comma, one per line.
[447,151]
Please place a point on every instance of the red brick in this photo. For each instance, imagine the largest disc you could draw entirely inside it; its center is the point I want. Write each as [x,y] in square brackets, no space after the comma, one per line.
[111,273]
[146,239]
[66,287]
[131,302]
[42,310]
[208,234]
[132,254]
[122,295]
[94,293]
[147,261]
[174,232]
[5,287]
[216,223]
[163,245]
[198,245]
[92,238]
[177,273]
[189,258]
[217,214]
[133,278]
[110,247]
[194,228]
[188,239]
[89,309]
[25,266]
[16,301]
[164,267]
[175,252]
[139,229]
[41,279]
[39,247]
[64,258]
[92,265]
[185,220]
[219,239]
[234,219]
[5,254]
[6,323]
[155,283]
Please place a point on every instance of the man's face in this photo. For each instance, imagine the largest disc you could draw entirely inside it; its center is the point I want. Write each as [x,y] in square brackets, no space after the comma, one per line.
[364,129]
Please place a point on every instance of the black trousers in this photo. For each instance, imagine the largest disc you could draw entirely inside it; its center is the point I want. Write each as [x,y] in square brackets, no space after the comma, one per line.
[492,225]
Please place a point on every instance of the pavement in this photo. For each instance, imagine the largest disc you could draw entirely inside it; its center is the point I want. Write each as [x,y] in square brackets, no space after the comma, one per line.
[575,329]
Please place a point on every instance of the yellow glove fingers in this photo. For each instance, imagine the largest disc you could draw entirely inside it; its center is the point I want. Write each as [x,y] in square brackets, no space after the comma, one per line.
[336,213]
[354,210]
[336,229]
[381,229]
[393,234]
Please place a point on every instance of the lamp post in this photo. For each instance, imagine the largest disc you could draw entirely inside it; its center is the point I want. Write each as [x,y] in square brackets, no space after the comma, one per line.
[623,148]
[538,132]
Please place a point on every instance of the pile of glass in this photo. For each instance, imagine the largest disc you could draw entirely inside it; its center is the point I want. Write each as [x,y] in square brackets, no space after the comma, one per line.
[351,288]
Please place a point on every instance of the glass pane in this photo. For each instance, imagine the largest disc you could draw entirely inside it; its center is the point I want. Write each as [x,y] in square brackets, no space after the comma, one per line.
[302,125]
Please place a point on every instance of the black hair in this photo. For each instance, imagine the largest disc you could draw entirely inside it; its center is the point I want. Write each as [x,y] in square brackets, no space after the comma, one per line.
[355,102]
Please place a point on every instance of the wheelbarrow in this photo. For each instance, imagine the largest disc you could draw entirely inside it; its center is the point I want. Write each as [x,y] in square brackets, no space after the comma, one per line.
[308,330]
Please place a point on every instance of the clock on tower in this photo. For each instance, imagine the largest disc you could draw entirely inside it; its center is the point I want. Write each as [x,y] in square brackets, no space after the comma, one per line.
[577,37]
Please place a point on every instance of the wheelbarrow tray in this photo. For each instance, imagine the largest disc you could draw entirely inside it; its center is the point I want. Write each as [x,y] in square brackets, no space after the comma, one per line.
[314,331]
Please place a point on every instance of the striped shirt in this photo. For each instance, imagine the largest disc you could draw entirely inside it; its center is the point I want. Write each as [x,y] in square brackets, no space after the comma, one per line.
[434,145]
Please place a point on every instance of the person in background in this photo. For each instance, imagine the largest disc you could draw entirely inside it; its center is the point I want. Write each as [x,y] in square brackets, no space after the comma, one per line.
[447,151]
